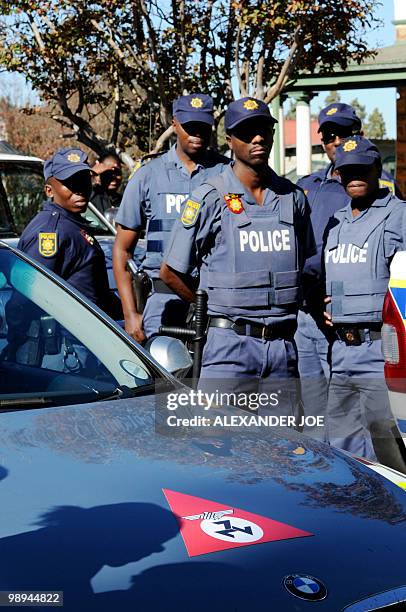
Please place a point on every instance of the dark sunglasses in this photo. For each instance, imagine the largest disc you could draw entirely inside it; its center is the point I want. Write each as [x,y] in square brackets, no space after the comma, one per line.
[328,137]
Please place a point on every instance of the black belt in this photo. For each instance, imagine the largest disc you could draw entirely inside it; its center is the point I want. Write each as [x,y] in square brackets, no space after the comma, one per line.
[247,328]
[355,335]
[161,287]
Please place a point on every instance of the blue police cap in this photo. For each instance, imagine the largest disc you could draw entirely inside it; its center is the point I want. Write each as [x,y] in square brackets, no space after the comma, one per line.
[356,150]
[340,114]
[246,108]
[65,163]
[194,107]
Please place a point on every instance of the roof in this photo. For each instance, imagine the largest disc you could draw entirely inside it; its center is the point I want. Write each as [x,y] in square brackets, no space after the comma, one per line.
[289,128]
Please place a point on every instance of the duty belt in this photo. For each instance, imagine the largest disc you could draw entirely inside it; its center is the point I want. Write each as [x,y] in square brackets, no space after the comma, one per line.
[161,287]
[355,335]
[256,330]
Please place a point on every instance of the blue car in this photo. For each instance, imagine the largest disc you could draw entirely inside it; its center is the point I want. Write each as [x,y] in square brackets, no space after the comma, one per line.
[111,499]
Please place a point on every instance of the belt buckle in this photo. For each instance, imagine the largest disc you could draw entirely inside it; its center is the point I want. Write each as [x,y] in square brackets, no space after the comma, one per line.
[267,332]
[351,336]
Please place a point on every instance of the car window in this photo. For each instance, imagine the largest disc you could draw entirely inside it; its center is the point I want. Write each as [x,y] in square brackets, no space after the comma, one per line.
[22,194]
[23,186]
[53,350]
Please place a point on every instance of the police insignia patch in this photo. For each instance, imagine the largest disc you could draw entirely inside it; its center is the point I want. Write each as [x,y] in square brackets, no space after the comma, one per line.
[190,212]
[250,104]
[74,158]
[332,111]
[86,236]
[196,103]
[47,244]
[350,145]
[234,203]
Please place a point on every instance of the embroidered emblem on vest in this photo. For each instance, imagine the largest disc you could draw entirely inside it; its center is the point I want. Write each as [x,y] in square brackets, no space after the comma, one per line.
[234,203]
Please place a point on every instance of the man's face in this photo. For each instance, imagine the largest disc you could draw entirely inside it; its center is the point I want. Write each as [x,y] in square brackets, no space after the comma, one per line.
[251,141]
[72,193]
[332,136]
[360,181]
[108,174]
[193,136]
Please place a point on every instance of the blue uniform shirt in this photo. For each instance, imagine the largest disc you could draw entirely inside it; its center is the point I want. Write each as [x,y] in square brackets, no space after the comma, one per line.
[326,196]
[196,244]
[153,198]
[63,242]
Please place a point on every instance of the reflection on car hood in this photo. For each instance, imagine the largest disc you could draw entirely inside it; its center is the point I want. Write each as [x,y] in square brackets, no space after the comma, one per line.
[83,510]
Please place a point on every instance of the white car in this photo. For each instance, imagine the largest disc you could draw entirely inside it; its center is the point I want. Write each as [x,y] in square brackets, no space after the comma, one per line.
[394,340]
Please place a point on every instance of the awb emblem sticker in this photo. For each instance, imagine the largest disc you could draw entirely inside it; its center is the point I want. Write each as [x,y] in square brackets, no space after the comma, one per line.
[208,526]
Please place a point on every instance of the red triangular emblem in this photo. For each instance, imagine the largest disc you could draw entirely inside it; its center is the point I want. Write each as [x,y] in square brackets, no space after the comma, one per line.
[208,526]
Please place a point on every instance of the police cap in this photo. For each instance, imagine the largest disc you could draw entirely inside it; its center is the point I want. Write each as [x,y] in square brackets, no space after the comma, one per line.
[193,107]
[340,114]
[356,150]
[246,108]
[65,163]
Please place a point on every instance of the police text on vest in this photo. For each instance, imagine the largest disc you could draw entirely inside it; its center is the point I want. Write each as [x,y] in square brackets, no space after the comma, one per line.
[347,253]
[276,240]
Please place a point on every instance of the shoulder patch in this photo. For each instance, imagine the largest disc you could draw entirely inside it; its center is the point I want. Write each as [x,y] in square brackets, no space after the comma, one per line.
[190,212]
[47,243]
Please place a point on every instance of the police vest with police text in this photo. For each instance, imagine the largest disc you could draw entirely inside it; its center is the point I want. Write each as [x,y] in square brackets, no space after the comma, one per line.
[253,270]
[357,270]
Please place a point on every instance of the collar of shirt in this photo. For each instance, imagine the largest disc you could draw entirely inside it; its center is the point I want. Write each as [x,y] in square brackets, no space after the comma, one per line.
[74,217]
[381,201]
[238,188]
[175,159]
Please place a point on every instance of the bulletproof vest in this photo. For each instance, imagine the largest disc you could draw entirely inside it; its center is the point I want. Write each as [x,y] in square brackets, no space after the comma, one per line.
[357,271]
[253,271]
[168,189]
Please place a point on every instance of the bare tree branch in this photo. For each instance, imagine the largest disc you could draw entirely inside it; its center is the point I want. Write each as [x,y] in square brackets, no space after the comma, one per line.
[243,91]
[285,70]
[162,139]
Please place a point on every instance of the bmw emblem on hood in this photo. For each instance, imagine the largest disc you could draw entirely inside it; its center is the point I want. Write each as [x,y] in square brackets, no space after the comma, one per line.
[305,587]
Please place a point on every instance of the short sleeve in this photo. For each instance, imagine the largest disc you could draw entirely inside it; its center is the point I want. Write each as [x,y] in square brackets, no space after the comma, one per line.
[132,211]
[191,231]
[395,231]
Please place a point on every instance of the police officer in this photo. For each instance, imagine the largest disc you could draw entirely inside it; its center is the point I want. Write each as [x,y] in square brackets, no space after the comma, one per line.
[326,195]
[60,238]
[361,240]
[248,231]
[107,176]
[152,201]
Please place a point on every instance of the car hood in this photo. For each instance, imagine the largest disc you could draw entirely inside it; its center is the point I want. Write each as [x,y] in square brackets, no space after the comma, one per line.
[85,494]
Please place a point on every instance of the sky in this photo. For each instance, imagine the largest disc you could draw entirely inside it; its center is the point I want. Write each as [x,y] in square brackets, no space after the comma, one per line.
[385,99]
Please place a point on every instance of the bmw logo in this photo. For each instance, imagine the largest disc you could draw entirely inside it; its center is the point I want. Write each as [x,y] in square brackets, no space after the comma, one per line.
[305,587]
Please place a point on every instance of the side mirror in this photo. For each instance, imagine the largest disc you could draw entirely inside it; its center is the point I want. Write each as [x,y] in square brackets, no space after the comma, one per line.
[170,353]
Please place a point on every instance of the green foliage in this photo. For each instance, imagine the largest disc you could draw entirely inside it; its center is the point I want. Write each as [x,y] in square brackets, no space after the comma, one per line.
[333,96]
[126,60]
[359,109]
[375,126]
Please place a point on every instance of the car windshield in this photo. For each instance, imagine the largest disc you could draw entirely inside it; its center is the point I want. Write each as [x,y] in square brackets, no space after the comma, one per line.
[22,194]
[54,350]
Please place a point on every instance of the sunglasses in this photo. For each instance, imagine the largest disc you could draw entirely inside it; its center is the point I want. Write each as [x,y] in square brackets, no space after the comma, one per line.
[328,137]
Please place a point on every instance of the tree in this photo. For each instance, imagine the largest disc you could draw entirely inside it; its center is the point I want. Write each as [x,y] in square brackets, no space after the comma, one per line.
[126,60]
[359,109]
[375,126]
[333,96]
